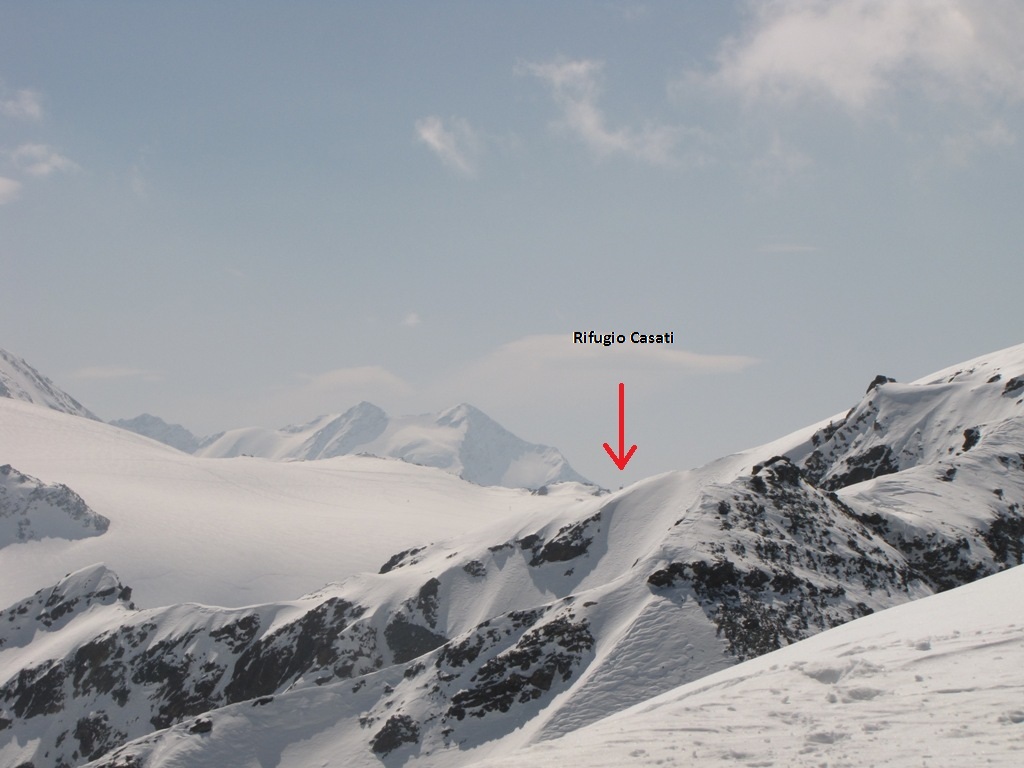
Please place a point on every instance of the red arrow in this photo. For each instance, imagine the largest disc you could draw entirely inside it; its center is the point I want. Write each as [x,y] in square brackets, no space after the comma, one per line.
[622,459]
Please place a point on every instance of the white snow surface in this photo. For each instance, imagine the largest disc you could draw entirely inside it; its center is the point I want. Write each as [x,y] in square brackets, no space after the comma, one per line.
[939,681]
[936,461]
[20,381]
[935,682]
[461,440]
[230,532]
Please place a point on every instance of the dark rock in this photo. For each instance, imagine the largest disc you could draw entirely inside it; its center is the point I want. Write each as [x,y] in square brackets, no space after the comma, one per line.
[525,671]
[305,644]
[1005,536]
[875,462]
[398,730]
[971,437]
[426,601]
[95,735]
[1013,386]
[408,641]
[570,542]
[38,691]
[878,381]
[397,561]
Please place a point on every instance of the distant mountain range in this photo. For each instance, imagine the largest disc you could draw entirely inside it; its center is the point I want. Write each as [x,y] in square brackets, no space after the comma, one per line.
[542,624]
[462,440]
[156,428]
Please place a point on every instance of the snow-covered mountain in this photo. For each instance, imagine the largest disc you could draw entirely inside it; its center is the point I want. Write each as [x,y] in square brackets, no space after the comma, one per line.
[20,381]
[157,429]
[462,440]
[235,531]
[939,681]
[540,620]
[32,510]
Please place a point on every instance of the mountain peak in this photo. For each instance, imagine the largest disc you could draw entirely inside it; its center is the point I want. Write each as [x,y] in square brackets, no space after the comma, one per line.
[462,440]
[156,428]
[20,381]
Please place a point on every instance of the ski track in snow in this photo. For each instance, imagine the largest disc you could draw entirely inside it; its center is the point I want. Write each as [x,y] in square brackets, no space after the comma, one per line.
[937,682]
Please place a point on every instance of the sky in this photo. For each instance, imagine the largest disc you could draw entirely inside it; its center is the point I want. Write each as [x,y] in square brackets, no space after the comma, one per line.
[252,213]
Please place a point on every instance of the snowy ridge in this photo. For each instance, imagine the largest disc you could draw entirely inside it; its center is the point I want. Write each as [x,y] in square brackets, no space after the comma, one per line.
[32,510]
[940,679]
[20,381]
[461,440]
[156,428]
[542,621]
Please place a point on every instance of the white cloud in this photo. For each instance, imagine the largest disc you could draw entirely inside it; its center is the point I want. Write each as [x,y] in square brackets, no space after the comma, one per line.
[457,144]
[411,320]
[41,160]
[961,147]
[106,372]
[575,87]
[9,190]
[779,163]
[25,105]
[855,52]
[515,371]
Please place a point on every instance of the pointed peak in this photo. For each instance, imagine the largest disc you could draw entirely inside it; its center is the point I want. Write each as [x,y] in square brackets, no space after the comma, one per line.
[461,412]
[364,409]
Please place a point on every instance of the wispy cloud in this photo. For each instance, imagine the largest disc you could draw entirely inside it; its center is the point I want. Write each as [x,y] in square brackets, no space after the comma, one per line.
[105,372]
[779,163]
[960,148]
[411,320]
[9,190]
[456,143]
[575,87]
[855,52]
[511,372]
[24,105]
[41,160]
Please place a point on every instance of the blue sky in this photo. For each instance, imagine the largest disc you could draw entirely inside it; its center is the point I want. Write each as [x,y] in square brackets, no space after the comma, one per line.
[231,213]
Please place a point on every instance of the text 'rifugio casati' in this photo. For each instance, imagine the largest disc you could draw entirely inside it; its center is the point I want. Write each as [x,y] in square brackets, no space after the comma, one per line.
[607,339]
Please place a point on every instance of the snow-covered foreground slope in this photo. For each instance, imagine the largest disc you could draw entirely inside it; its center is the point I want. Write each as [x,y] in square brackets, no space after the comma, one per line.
[536,623]
[230,532]
[462,440]
[939,681]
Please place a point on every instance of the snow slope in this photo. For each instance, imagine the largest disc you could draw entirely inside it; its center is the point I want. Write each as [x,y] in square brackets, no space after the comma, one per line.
[537,622]
[229,532]
[939,681]
[20,381]
[462,440]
